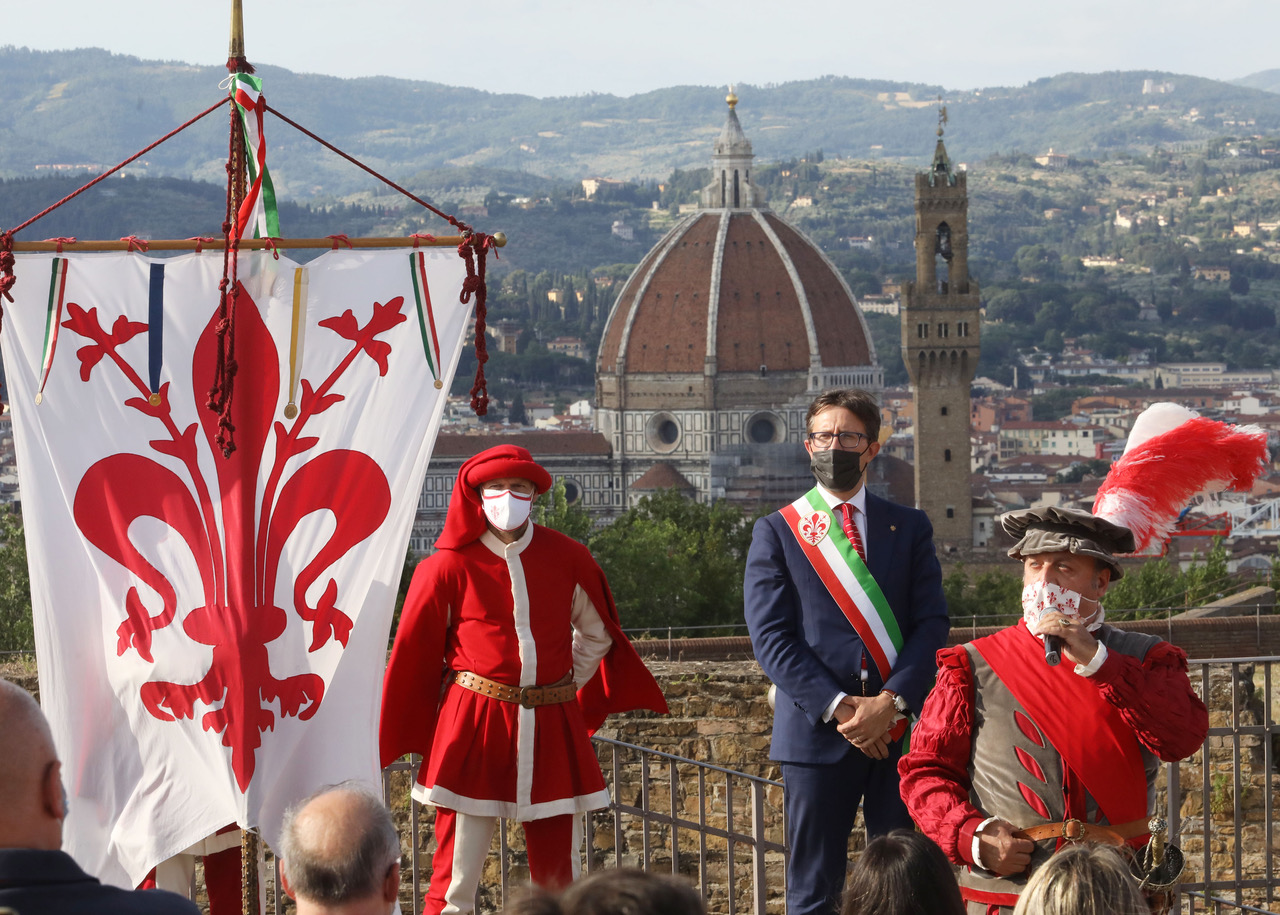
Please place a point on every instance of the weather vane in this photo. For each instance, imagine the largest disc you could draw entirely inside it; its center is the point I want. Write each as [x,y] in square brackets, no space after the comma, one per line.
[942,115]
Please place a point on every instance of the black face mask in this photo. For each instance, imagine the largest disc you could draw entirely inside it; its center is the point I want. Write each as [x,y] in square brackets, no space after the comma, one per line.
[836,470]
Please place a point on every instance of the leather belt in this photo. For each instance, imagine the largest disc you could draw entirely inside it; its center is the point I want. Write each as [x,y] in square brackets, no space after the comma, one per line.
[1078,831]
[526,696]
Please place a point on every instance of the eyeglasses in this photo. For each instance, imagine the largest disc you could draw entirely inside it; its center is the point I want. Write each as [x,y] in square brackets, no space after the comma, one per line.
[849,441]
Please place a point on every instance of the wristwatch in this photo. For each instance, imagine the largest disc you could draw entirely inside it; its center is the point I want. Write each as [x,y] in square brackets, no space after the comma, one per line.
[899,704]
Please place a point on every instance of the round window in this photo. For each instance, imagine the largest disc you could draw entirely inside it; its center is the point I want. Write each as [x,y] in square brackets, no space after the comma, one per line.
[761,431]
[663,433]
[572,492]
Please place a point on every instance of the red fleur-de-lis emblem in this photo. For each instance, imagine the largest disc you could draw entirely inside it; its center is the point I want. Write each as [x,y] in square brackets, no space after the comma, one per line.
[813,528]
[235,519]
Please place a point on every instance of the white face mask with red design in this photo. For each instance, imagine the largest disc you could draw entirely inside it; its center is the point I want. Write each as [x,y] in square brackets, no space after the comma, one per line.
[506,509]
[1041,597]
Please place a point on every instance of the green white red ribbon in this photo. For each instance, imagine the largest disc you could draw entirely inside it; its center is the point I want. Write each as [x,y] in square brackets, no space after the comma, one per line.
[426,317]
[259,204]
[52,320]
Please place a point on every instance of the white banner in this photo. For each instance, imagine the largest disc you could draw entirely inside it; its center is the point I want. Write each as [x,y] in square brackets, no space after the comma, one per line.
[211,632]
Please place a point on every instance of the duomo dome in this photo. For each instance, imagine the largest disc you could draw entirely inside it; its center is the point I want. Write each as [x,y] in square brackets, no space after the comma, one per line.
[719,340]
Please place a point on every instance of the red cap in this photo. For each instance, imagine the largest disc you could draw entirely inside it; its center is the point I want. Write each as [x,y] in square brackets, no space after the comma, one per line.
[465,521]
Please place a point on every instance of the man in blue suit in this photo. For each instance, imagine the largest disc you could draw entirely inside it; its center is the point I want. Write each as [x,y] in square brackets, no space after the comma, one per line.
[844,602]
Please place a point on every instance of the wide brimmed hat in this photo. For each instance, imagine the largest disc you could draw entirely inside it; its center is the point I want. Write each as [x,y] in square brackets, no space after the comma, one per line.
[1055,529]
[465,521]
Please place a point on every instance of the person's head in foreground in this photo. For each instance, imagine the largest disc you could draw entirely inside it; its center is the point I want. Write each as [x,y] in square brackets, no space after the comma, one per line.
[341,853]
[1085,879]
[902,873]
[616,892]
[32,802]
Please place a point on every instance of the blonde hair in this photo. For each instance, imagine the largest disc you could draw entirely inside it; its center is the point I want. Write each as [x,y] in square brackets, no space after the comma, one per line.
[1082,880]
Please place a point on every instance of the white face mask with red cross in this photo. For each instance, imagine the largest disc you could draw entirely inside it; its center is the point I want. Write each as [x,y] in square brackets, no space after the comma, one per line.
[506,509]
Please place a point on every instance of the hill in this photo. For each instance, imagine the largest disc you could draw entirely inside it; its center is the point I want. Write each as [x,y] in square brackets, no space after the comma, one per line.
[1266,80]
[72,108]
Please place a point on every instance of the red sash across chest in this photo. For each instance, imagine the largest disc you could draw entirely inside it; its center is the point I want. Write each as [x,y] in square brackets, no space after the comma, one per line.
[1087,731]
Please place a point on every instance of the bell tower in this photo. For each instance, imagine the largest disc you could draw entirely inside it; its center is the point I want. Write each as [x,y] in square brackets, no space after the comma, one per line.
[940,337]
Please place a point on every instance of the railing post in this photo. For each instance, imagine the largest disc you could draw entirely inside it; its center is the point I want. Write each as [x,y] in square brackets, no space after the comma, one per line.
[758,875]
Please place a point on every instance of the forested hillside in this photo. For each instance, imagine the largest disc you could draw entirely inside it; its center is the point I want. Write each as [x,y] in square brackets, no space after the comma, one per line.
[90,107]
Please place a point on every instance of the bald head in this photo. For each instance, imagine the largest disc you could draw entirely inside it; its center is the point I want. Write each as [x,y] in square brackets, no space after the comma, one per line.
[31,801]
[341,852]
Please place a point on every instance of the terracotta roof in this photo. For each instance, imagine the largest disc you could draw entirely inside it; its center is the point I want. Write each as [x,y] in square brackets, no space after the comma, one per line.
[540,442]
[662,475]
[758,311]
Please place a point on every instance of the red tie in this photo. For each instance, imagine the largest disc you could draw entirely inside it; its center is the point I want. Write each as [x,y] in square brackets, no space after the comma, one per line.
[851,529]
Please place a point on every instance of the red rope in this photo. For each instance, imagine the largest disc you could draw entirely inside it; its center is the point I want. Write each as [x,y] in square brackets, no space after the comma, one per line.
[60,240]
[339,240]
[462,226]
[201,241]
[135,243]
[115,168]
[225,366]
[473,250]
[7,279]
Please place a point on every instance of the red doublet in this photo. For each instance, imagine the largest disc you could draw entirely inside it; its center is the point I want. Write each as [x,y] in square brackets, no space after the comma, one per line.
[1153,697]
[526,614]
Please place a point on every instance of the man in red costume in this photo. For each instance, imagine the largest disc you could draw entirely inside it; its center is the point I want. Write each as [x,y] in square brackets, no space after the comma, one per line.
[508,656]
[1012,756]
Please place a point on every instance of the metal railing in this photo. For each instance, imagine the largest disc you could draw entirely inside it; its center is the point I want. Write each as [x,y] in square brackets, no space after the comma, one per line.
[725,829]
[1229,828]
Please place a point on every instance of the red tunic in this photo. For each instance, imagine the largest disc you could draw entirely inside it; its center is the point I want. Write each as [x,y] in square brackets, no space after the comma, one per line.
[524,614]
[1153,696]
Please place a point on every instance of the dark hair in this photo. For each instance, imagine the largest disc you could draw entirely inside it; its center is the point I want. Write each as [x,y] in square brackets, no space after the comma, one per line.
[860,403]
[902,873]
[616,892]
[1083,880]
[358,871]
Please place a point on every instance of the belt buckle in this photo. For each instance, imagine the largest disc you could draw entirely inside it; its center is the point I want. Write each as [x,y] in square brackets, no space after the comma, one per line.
[1073,830]
[526,700]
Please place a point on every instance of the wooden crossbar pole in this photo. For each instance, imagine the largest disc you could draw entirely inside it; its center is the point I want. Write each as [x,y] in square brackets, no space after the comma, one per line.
[190,244]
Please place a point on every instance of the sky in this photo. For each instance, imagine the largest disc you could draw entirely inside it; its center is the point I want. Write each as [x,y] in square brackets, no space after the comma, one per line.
[574,47]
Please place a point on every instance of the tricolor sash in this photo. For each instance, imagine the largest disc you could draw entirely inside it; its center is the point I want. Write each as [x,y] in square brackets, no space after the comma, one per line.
[1086,730]
[847,579]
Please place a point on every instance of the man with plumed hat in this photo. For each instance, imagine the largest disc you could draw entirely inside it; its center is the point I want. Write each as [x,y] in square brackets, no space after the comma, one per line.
[1014,755]
[508,656]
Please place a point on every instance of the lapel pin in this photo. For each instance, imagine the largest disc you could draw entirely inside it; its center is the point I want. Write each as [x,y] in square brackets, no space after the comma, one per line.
[893,527]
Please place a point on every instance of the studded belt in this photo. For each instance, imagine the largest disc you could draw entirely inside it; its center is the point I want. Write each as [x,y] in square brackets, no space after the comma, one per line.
[526,696]
[1077,831]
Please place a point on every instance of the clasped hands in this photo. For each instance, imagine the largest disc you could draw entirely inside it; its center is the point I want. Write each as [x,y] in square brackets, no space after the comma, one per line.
[864,721]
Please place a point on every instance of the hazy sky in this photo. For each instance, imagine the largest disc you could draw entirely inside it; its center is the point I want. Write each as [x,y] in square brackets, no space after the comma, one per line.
[562,47]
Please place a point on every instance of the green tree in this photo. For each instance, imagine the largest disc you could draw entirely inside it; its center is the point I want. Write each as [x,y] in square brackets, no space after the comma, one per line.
[1156,585]
[554,510]
[517,413]
[992,598]
[17,631]
[672,561]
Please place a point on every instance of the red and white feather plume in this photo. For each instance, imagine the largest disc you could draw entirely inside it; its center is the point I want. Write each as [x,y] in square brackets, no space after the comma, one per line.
[1173,455]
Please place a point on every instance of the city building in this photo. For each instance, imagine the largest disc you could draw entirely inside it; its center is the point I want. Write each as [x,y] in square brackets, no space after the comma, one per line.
[940,343]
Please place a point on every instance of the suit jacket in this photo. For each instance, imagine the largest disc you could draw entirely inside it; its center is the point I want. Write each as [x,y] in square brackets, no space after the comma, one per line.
[34,882]
[807,646]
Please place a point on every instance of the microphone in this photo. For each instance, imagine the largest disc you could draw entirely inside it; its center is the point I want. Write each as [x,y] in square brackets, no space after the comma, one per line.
[1052,650]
